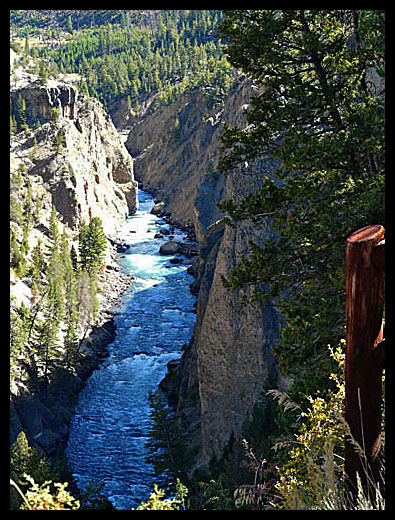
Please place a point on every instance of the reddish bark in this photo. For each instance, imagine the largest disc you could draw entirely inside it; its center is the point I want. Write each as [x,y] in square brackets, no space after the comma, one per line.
[364,352]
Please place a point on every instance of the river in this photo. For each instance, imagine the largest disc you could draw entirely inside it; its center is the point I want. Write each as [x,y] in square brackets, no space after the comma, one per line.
[109,427]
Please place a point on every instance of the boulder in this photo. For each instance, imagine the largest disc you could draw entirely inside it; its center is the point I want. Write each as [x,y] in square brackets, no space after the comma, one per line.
[172,247]
[158,209]
[175,260]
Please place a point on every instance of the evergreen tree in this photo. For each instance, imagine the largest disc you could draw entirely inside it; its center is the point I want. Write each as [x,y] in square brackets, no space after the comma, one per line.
[74,258]
[55,115]
[27,46]
[21,114]
[45,334]
[167,446]
[28,209]
[19,319]
[131,55]
[70,296]
[13,125]
[92,245]
[21,455]
[316,115]
[43,73]
[45,331]
[16,257]
[38,264]
[70,25]
[87,304]
[54,226]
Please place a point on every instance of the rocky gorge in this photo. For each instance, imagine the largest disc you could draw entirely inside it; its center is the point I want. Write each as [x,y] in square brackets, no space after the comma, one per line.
[73,160]
[78,164]
[229,357]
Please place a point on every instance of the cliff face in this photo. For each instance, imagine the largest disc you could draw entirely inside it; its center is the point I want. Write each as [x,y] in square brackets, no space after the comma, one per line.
[232,341]
[79,165]
[230,353]
[41,100]
[176,149]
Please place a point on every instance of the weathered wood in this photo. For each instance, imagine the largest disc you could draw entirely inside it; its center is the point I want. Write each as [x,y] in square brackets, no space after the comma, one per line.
[364,332]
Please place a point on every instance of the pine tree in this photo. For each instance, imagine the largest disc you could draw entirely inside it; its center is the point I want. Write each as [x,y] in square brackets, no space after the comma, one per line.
[17,260]
[70,25]
[27,46]
[18,337]
[43,73]
[315,115]
[28,209]
[21,455]
[167,446]
[21,114]
[92,245]
[38,264]
[13,125]
[87,304]
[45,332]
[27,220]
[54,226]
[70,313]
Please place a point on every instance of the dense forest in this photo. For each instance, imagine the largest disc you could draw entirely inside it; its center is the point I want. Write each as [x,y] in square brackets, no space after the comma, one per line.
[128,60]
[320,115]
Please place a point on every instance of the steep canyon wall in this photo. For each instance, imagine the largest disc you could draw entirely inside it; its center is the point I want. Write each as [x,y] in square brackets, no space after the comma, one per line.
[78,164]
[176,151]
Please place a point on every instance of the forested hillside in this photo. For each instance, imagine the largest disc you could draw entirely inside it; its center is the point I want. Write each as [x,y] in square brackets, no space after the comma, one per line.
[177,51]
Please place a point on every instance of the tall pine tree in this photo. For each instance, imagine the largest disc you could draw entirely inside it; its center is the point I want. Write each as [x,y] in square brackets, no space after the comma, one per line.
[320,118]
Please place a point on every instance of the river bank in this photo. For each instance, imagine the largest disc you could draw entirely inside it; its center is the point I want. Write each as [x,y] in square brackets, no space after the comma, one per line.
[45,412]
[155,320]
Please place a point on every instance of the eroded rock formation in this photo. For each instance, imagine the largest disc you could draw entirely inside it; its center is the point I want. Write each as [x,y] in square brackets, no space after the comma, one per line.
[40,100]
[79,165]
[229,357]
[80,160]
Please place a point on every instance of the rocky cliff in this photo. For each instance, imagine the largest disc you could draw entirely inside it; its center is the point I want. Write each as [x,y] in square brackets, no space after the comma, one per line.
[74,160]
[79,160]
[176,151]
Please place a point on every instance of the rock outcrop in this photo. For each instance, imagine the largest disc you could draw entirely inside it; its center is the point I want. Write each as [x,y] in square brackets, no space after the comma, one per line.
[230,355]
[74,160]
[175,150]
[41,100]
[232,341]
[79,161]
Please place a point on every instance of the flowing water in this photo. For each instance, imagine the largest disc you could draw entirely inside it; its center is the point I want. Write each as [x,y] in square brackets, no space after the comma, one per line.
[156,318]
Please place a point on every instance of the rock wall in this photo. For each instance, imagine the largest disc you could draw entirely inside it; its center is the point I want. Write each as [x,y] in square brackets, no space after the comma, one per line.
[41,100]
[232,341]
[230,355]
[79,165]
[79,161]
[176,148]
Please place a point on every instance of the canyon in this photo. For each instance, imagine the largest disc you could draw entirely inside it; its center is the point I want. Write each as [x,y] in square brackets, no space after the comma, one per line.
[182,183]
[78,165]
[172,152]
[230,354]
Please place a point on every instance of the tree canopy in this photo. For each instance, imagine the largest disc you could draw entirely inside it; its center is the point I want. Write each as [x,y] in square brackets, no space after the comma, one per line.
[320,116]
[165,54]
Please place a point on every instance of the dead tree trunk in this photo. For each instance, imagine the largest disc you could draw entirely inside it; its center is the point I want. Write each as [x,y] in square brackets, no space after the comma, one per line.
[364,354]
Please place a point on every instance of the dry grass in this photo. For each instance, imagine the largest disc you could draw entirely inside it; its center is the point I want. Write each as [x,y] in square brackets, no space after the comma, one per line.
[326,491]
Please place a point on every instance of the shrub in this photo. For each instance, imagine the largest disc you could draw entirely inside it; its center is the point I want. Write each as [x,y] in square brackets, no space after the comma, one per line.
[312,477]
